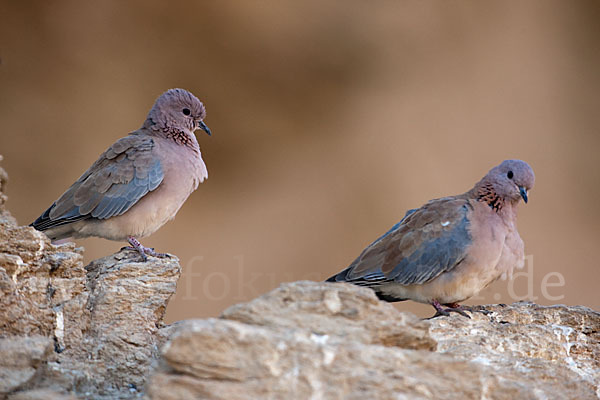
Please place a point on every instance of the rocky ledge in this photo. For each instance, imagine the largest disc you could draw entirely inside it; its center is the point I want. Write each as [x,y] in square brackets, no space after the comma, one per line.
[307,340]
[96,332]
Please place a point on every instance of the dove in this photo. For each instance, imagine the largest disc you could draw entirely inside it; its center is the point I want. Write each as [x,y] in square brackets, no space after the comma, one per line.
[451,248]
[139,183]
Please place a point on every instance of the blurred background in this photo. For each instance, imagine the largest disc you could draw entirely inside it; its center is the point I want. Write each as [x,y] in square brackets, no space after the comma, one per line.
[329,119]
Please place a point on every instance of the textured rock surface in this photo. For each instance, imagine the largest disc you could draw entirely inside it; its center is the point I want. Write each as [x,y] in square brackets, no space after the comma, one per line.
[41,394]
[5,216]
[555,350]
[310,340]
[118,337]
[93,331]
[20,360]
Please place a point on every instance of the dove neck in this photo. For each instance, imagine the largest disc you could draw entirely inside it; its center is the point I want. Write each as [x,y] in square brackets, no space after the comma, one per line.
[485,193]
[179,137]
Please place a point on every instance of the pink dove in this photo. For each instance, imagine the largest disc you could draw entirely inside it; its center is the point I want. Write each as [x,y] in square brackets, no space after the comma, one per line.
[451,248]
[140,182]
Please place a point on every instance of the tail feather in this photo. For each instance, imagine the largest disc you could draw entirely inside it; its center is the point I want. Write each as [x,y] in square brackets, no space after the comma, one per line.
[339,277]
[373,284]
[45,224]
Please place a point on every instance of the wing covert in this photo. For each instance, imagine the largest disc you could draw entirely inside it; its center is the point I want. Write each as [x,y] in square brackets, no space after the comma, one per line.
[427,242]
[122,175]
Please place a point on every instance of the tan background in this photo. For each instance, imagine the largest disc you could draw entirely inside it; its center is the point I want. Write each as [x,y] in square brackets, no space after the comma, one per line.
[330,119]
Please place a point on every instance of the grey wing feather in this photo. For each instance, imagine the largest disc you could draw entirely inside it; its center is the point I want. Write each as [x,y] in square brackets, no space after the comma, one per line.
[417,249]
[434,256]
[124,174]
[375,276]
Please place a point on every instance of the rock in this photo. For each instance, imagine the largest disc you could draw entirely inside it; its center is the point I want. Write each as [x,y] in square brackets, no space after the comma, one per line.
[118,334]
[93,331]
[334,310]
[20,359]
[35,276]
[41,394]
[5,217]
[556,347]
[332,341]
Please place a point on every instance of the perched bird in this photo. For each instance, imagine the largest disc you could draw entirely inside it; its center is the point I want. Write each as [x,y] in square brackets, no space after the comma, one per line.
[451,248]
[140,182]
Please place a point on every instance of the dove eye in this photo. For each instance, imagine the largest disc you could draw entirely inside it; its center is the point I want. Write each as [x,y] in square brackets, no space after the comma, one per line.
[186,111]
[509,174]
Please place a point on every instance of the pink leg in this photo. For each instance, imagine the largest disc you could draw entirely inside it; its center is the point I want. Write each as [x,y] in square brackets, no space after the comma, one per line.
[454,307]
[136,245]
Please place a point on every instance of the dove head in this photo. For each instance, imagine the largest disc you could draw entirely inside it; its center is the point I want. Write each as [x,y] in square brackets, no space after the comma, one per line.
[508,182]
[177,111]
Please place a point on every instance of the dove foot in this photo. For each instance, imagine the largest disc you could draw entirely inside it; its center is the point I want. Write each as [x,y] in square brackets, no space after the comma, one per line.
[144,251]
[441,311]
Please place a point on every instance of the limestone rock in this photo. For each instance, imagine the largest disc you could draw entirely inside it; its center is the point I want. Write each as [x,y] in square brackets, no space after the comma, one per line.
[331,341]
[20,359]
[35,276]
[119,336]
[5,217]
[558,346]
[41,394]
[334,310]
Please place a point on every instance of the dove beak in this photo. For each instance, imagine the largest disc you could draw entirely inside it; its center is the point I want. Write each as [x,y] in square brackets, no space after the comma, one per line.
[523,193]
[203,126]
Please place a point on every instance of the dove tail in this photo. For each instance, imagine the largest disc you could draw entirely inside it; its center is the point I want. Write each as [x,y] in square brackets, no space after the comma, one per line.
[55,229]
[339,277]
